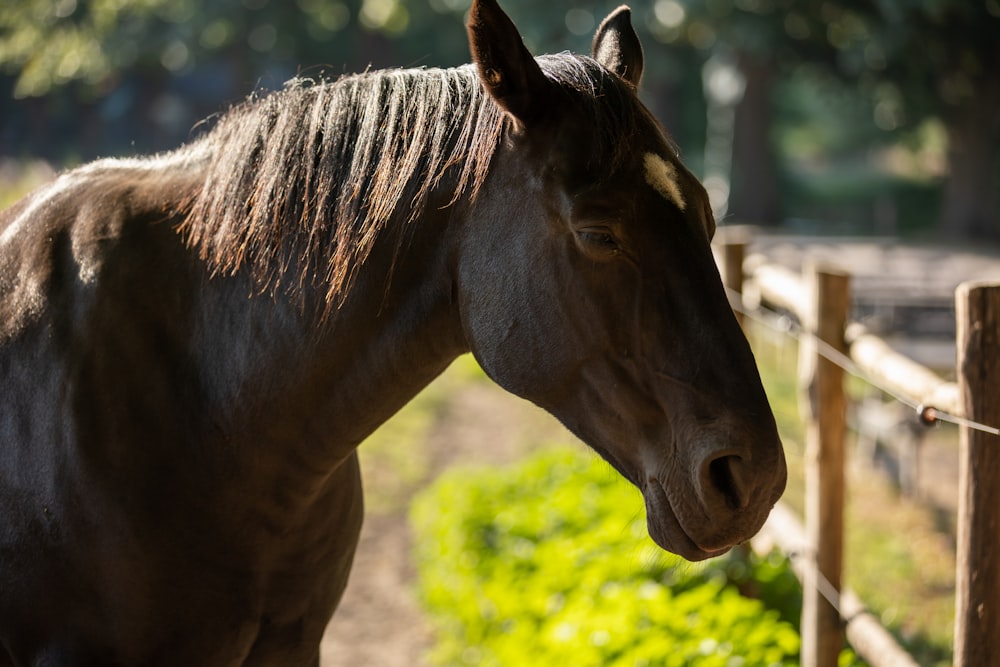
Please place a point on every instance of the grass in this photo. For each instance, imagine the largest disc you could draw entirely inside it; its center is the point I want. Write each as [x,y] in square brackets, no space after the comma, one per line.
[547,560]
[897,558]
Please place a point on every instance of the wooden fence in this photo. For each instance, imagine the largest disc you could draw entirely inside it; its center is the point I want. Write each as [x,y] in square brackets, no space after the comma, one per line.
[820,299]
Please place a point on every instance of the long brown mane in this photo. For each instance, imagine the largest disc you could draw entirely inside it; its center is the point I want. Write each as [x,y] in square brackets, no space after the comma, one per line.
[307,177]
[300,183]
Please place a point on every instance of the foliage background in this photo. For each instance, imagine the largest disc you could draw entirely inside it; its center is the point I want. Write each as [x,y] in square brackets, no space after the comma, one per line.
[843,115]
[548,561]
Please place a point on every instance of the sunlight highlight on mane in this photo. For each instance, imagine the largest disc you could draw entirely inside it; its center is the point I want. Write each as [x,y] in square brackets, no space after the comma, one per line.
[303,181]
[300,184]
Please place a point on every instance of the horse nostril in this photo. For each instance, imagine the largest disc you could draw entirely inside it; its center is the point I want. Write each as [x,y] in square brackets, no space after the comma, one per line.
[725,477]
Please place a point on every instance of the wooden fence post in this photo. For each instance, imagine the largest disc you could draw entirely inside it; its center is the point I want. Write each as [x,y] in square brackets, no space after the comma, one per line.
[977,585]
[734,243]
[822,629]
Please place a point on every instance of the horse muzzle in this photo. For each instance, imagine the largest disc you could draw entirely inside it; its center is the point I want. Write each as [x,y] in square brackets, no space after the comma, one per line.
[721,500]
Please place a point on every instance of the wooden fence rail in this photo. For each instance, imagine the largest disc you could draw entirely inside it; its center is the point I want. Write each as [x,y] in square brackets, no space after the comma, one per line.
[898,374]
[820,300]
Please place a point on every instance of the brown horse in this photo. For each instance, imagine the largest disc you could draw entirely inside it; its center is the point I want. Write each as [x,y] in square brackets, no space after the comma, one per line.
[193,345]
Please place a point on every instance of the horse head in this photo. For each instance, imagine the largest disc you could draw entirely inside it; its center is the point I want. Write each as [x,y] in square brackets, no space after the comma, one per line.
[595,295]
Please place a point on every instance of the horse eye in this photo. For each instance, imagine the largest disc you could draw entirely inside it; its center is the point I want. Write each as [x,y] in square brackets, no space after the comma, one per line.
[600,238]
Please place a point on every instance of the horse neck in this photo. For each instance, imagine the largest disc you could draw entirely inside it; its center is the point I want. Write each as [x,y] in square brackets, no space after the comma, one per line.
[399,327]
[283,372]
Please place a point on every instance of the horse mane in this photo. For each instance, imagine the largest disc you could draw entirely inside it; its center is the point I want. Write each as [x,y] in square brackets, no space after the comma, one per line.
[306,178]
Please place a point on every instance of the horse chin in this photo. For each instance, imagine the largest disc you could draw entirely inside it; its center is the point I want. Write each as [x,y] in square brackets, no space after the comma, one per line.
[666,530]
[662,522]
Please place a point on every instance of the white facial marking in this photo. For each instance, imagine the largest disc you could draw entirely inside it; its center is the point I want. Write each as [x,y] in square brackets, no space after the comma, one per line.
[663,177]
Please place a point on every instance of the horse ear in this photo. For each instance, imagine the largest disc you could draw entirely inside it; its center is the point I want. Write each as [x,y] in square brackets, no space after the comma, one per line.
[617,47]
[506,67]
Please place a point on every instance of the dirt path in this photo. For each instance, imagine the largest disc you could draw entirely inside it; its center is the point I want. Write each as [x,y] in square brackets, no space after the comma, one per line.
[380,622]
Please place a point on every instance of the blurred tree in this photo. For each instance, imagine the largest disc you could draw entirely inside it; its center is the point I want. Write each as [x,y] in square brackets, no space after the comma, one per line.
[47,43]
[50,43]
[125,59]
[910,60]
[943,57]
[920,59]
[167,63]
[913,59]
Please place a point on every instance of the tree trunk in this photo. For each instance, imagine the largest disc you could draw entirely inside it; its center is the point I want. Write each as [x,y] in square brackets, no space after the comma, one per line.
[971,207]
[754,196]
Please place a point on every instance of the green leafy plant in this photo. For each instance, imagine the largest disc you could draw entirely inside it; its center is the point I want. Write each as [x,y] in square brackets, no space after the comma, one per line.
[548,562]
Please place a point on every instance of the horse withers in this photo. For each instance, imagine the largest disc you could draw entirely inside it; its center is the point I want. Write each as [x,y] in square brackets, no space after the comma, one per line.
[192,345]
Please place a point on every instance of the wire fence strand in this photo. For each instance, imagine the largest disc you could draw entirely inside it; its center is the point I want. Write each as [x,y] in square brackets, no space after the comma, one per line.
[927,414]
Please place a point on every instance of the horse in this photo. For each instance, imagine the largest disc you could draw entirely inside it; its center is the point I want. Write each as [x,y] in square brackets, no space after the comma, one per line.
[193,344]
